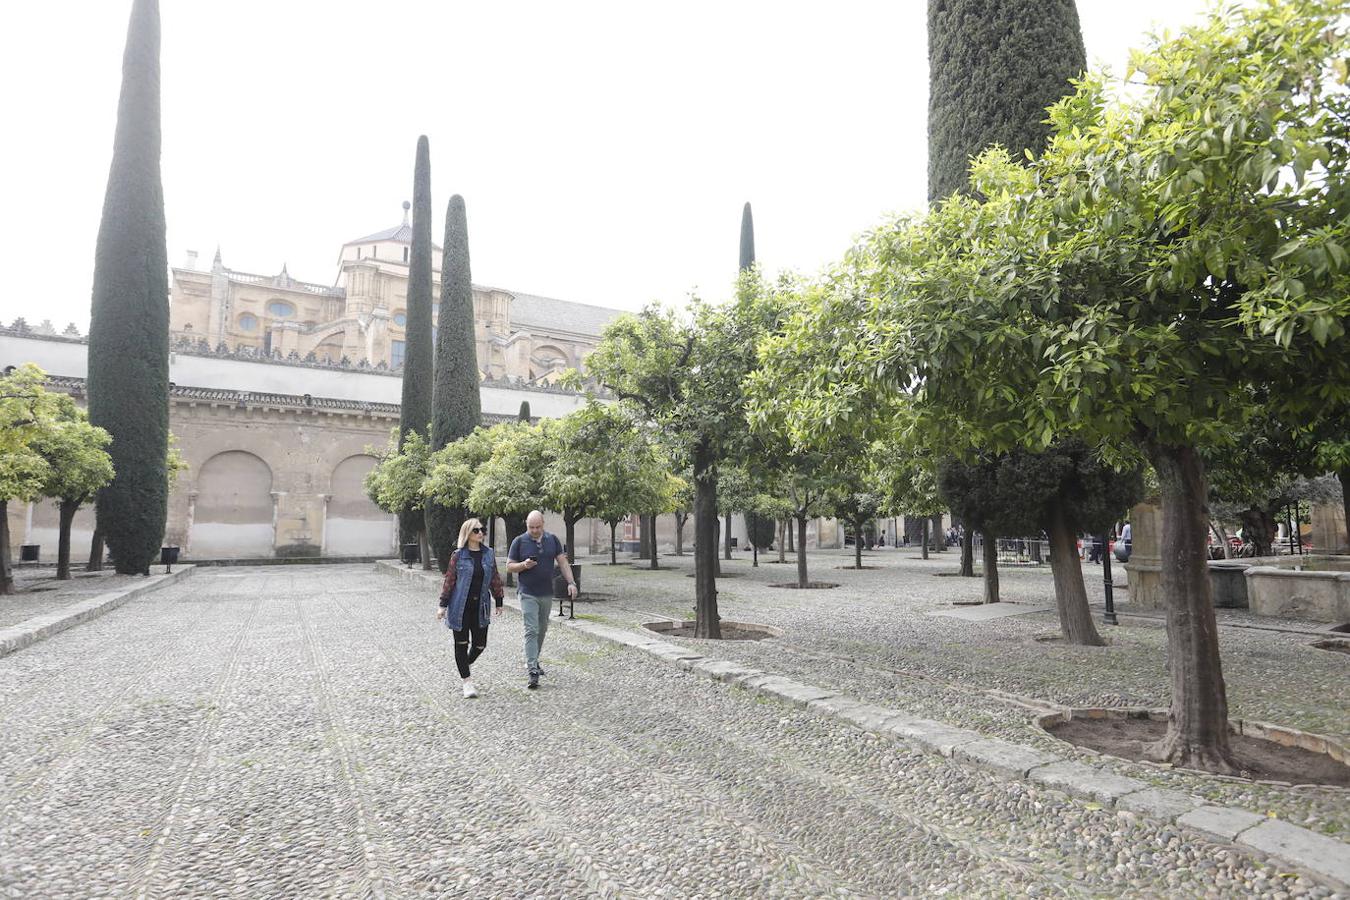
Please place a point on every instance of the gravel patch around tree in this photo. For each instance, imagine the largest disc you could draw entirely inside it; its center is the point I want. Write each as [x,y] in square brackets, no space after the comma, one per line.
[300,732]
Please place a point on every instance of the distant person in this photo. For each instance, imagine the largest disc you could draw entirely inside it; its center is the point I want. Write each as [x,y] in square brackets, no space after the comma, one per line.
[532,557]
[470,580]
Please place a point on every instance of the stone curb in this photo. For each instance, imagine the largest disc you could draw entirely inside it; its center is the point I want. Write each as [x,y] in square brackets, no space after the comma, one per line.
[39,628]
[1325,858]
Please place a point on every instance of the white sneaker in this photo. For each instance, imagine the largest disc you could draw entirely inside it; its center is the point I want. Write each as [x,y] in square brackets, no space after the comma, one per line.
[470,690]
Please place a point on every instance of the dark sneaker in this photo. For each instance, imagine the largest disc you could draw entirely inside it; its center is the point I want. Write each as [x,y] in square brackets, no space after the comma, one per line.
[540,672]
[534,681]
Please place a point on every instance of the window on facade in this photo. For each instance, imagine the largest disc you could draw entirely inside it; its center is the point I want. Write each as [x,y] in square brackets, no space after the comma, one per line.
[248,322]
[396,354]
[373,254]
[280,308]
[401,319]
[358,252]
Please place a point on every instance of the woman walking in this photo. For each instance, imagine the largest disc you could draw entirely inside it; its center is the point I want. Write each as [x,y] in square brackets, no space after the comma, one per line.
[469,580]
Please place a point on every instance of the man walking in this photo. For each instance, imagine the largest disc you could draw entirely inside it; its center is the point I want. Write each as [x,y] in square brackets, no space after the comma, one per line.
[532,557]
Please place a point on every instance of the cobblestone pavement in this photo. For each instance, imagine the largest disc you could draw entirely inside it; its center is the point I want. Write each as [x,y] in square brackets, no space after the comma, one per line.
[873,639]
[38,592]
[299,732]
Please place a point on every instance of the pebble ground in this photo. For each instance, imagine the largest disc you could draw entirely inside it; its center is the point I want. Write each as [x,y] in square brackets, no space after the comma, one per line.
[874,639]
[299,732]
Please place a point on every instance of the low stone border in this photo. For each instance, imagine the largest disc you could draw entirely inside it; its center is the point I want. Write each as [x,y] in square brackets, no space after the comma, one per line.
[39,628]
[1325,858]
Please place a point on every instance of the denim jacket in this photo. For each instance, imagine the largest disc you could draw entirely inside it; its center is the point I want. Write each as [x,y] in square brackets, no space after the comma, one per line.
[455,588]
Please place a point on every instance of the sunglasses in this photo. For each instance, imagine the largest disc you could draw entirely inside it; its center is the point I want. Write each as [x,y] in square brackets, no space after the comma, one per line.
[476,530]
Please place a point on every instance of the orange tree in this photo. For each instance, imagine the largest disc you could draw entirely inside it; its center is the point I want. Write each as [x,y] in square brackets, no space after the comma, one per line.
[1170,255]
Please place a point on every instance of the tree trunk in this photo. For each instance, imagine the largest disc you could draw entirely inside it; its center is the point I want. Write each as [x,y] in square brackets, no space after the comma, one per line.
[726,539]
[6,564]
[613,556]
[939,537]
[857,545]
[989,553]
[95,563]
[570,523]
[643,538]
[925,537]
[801,552]
[707,623]
[754,540]
[680,519]
[1197,727]
[1075,618]
[651,539]
[788,526]
[782,540]
[1222,534]
[1258,527]
[67,515]
[968,553]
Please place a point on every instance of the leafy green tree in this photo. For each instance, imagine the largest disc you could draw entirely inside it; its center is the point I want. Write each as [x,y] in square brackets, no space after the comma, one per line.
[456,406]
[128,379]
[418,354]
[855,508]
[451,470]
[1165,260]
[27,411]
[994,66]
[77,466]
[511,481]
[684,377]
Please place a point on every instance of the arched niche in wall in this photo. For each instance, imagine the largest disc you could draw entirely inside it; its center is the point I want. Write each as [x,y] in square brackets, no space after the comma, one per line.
[354,525]
[232,513]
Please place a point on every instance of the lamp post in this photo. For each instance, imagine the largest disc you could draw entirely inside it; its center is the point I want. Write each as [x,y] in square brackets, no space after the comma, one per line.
[1109,617]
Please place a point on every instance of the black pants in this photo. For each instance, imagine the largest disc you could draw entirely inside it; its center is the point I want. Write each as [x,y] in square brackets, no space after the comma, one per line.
[470,641]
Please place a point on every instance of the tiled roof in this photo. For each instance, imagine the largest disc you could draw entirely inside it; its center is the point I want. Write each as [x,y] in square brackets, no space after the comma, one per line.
[529,309]
[400,233]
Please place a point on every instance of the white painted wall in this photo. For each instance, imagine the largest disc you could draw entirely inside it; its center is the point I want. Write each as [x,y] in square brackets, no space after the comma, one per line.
[69,359]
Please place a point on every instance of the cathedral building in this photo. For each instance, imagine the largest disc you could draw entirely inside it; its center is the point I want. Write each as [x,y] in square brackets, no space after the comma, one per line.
[362,315]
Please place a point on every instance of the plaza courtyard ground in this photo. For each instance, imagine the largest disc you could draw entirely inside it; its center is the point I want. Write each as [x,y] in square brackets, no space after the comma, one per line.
[299,731]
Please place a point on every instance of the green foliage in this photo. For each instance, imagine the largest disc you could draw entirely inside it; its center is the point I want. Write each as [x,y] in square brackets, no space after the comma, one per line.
[395,483]
[450,471]
[994,68]
[1166,251]
[456,405]
[128,379]
[27,412]
[511,481]
[415,410]
[747,239]
[77,463]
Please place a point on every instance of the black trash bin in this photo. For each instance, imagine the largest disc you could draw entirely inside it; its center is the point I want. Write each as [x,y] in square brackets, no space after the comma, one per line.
[29,552]
[412,553]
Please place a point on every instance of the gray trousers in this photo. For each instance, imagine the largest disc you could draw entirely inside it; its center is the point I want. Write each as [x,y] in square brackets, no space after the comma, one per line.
[536,611]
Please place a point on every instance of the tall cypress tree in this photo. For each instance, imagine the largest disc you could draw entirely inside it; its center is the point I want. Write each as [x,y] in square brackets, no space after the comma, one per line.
[524,414]
[994,66]
[415,413]
[747,238]
[456,406]
[128,379]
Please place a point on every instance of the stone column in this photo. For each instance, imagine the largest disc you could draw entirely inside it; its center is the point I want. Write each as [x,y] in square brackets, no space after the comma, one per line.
[1328,528]
[276,516]
[191,515]
[323,525]
[1144,569]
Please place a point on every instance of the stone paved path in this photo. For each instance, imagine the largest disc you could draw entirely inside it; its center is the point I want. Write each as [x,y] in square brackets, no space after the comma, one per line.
[299,732]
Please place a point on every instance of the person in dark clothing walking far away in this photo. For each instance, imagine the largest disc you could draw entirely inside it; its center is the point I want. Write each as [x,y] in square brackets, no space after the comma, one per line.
[470,580]
[532,557]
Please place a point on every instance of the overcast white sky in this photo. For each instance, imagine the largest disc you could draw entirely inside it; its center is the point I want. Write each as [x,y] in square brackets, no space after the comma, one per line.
[604,150]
